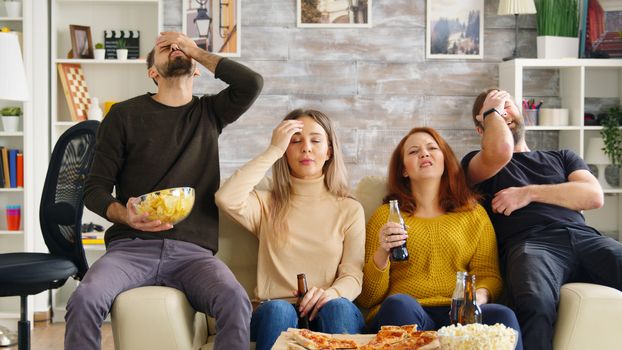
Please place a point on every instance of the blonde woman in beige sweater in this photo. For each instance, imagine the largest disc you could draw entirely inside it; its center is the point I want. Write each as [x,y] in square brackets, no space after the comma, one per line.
[307,223]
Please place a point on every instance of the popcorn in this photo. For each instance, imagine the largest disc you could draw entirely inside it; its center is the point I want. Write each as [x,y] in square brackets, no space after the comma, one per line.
[477,337]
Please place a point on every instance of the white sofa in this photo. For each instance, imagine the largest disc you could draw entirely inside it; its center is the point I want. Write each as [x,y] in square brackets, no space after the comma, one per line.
[161,318]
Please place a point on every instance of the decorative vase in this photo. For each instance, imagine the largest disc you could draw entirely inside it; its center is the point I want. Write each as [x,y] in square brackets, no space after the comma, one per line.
[100,54]
[557,47]
[122,54]
[10,123]
[13,9]
[95,113]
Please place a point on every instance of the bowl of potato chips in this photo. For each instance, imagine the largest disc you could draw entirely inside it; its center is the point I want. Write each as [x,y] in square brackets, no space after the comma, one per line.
[170,205]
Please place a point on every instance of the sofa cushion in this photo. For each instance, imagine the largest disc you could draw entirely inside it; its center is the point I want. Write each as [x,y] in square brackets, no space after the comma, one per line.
[369,192]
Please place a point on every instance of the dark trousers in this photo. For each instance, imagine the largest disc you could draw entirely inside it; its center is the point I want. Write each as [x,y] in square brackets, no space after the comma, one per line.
[206,281]
[402,309]
[537,267]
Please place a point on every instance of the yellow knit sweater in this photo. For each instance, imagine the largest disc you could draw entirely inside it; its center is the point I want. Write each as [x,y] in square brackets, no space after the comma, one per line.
[438,248]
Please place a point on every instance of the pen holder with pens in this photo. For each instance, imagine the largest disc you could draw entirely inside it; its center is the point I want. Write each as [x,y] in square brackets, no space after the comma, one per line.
[13,217]
[531,116]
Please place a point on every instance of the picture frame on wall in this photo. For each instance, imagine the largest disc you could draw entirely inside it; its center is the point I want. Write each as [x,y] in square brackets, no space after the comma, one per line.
[454,29]
[214,25]
[334,13]
[601,29]
[81,41]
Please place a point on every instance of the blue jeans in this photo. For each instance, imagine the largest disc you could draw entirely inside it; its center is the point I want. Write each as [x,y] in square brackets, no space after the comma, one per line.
[401,309]
[275,316]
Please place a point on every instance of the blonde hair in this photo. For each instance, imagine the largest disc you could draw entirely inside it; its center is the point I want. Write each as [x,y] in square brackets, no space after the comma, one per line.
[334,170]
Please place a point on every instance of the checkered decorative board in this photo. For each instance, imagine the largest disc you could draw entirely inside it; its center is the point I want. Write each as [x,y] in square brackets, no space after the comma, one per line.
[76,91]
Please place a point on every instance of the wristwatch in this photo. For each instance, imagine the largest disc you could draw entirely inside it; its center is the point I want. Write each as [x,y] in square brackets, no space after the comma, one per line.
[490,111]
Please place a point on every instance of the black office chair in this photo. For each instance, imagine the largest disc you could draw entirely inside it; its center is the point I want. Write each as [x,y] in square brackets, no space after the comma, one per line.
[60,215]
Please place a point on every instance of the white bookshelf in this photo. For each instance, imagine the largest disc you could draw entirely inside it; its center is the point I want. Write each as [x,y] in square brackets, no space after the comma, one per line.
[20,240]
[579,79]
[108,80]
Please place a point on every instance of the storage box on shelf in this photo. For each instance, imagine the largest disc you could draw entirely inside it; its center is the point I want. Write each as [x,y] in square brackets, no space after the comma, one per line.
[108,79]
[585,86]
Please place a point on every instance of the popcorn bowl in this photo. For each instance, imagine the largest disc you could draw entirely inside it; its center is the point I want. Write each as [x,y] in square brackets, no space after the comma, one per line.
[477,337]
[171,205]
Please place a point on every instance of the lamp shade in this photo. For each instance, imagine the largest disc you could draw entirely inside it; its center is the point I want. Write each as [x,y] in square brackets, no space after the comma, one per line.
[516,7]
[12,74]
[595,153]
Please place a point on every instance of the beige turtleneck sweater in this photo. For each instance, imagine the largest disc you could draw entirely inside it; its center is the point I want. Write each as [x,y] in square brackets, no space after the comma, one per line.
[326,237]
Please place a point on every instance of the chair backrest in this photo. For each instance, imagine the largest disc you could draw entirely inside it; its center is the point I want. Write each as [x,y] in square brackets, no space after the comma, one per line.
[62,201]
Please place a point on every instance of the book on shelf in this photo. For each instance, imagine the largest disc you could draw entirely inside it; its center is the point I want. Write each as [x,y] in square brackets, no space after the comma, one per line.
[93,237]
[20,169]
[13,168]
[5,167]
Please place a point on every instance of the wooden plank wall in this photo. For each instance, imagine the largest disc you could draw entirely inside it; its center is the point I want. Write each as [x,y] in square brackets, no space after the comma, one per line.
[374,82]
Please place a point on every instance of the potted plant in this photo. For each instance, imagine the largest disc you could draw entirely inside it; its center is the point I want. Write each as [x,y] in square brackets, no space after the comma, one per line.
[558,28]
[121,49]
[13,8]
[10,118]
[612,138]
[100,51]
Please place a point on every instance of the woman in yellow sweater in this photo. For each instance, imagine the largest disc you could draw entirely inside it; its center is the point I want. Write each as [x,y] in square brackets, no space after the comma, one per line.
[307,223]
[447,232]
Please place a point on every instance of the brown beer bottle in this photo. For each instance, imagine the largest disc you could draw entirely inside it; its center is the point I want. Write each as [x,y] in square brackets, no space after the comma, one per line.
[470,311]
[303,322]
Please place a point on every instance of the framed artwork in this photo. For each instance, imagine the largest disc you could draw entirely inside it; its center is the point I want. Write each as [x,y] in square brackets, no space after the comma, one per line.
[601,29]
[333,13]
[455,29]
[75,89]
[81,42]
[214,25]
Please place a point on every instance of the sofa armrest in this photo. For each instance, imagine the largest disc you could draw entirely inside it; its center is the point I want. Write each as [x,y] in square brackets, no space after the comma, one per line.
[588,317]
[156,318]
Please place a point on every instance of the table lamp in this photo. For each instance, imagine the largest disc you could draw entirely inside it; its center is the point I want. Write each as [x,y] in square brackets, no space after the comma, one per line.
[515,7]
[596,156]
[12,73]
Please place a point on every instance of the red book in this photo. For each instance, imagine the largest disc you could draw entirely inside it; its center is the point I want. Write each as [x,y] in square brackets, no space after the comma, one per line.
[20,170]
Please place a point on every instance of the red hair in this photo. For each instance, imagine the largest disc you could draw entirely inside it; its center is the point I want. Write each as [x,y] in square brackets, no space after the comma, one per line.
[454,193]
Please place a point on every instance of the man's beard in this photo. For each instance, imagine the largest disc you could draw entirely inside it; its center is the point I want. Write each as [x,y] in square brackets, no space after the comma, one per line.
[179,66]
[518,133]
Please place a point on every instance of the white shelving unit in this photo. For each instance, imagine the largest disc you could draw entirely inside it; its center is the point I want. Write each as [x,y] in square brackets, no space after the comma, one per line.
[20,240]
[108,80]
[579,79]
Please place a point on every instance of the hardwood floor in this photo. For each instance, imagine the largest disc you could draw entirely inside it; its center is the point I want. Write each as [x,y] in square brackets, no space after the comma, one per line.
[50,336]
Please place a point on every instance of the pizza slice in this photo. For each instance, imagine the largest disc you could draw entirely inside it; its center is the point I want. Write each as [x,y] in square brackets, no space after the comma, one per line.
[426,340]
[342,344]
[312,340]
[410,328]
